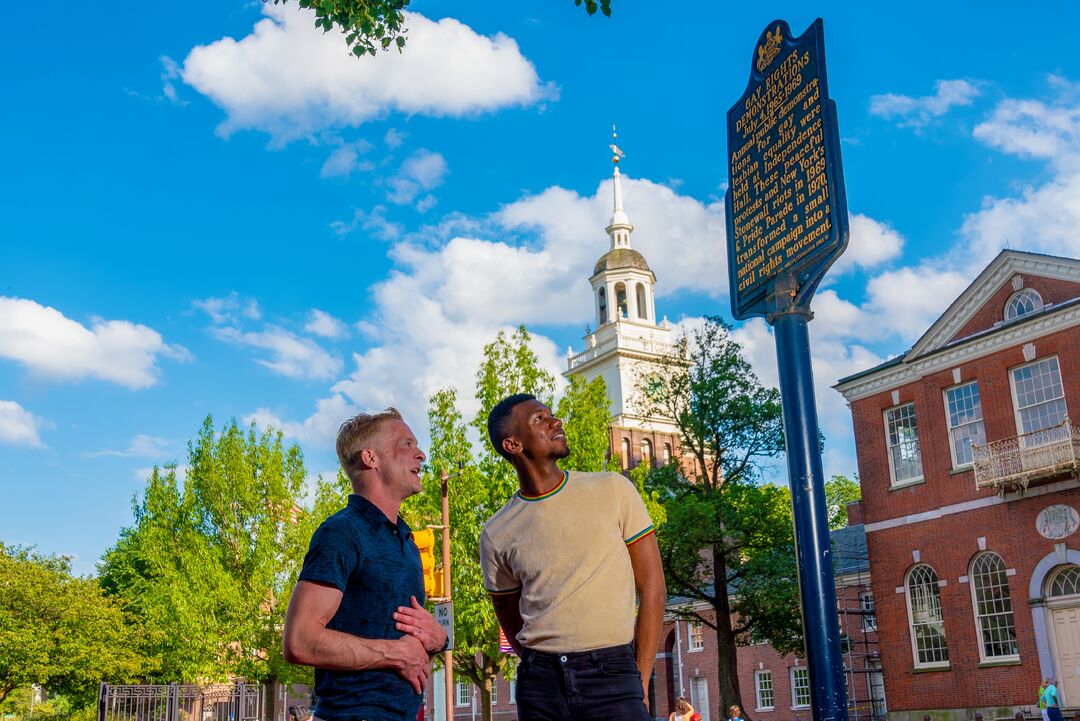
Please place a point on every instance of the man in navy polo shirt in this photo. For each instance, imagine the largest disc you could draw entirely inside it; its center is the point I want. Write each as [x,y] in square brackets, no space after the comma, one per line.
[357,612]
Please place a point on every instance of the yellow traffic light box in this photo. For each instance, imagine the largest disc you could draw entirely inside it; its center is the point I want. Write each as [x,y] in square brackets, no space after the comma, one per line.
[425,541]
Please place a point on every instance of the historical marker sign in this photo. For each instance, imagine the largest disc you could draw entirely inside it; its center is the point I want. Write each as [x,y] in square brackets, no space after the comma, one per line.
[786,208]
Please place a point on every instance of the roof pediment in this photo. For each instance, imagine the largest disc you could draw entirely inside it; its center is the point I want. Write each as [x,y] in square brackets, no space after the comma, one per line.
[979,309]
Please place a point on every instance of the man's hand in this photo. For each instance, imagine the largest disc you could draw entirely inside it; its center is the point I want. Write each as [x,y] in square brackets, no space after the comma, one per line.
[415,621]
[410,660]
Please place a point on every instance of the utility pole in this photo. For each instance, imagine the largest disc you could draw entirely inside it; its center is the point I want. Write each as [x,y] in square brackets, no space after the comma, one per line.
[448,655]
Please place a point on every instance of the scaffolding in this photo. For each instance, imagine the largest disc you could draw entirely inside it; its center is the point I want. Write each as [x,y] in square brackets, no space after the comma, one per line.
[858,625]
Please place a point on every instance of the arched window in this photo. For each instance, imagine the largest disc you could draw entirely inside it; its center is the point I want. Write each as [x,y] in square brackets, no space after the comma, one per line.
[620,300]
[1065,582]
[667,453]
[924,617]
[993,607]
[1022,302]
[625,453]
[642,307]
[602,297]
[646,452]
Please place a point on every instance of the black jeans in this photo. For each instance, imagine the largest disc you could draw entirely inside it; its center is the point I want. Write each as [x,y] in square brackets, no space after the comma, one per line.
[584,686]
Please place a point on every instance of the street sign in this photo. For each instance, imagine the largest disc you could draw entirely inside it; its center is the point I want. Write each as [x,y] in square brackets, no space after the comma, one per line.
[787,222]
[444,616]
[786,208]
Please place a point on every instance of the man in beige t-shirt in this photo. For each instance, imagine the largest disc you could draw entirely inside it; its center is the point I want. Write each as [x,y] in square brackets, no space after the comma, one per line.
[564,561]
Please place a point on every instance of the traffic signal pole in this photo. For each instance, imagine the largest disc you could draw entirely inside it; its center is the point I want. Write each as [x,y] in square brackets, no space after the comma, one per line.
[448,655]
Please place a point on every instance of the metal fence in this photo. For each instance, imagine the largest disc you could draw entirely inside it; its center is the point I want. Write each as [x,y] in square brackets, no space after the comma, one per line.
[182,702]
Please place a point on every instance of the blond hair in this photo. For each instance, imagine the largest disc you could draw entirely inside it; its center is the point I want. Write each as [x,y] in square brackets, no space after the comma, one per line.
[358,433]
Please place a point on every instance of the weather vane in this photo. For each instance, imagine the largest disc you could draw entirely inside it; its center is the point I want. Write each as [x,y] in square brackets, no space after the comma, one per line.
[616,154]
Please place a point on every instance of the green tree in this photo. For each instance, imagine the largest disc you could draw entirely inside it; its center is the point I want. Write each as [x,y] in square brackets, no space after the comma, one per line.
[59,631]
[484,482]
[209,562]
[839,492]
[727,538]
[372,25]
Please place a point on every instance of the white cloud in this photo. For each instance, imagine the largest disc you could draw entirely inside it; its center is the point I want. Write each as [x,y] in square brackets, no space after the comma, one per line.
[229,310]
[393,138]
[289,79]
[170,71]
[345,161]
[458,283]
[919,112]
[374,222]
[423,170]
[1032,129]
[290,355]
[141,446]
[870,244]
[19,427]
[323,324]
[1041,218]
[51,345]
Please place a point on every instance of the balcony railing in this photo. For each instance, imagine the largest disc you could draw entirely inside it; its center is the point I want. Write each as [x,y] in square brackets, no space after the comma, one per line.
[1013,463]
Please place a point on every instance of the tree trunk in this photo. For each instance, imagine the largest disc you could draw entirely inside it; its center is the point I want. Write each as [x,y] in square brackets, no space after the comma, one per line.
[726,659]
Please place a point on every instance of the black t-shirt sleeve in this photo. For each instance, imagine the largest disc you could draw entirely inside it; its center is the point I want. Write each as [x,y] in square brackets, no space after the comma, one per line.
[332,556]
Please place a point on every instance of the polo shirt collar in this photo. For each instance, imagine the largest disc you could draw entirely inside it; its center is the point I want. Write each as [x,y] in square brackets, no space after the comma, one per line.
[371,513]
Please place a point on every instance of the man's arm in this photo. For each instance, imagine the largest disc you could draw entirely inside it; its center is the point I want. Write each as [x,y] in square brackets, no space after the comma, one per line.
[508,611]
[652,594]
[306,639]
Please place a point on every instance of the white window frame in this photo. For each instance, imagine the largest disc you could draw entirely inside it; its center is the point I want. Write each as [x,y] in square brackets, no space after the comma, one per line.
[802,671]
[462,690]
[495,691]
[1016,400]
[911,620]
[950,428]
[1036,304]
[893,483]
[869,620]
[513,691]
[758,676]
[695,636]
[983,657]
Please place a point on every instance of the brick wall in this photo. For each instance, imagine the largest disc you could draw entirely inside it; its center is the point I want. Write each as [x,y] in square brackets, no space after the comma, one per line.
[942,485]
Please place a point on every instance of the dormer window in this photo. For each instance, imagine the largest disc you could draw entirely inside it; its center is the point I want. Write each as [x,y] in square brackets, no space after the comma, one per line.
[1022,302]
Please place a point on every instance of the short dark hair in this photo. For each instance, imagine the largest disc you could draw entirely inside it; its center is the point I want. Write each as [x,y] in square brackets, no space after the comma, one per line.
[498,422]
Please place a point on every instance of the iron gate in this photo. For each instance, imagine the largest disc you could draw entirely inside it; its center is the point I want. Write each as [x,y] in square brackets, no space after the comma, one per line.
[182,702]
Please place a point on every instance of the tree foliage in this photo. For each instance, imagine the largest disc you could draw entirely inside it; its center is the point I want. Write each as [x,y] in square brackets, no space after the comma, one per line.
[211,558]
[373,25]
[483,482]
[839,492]
[727,538]
[58,631]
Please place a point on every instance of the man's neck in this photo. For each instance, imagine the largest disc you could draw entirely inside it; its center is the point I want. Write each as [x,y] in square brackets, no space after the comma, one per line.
[536,479]
[377,495]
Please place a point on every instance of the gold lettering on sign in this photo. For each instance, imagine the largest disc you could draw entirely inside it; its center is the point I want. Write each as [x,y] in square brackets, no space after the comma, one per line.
[780,196]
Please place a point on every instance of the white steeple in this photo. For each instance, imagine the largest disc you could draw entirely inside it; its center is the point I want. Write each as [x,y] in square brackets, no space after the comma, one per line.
[619,228]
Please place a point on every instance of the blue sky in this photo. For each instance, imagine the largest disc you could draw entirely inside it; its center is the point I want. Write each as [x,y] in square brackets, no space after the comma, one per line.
[217,211]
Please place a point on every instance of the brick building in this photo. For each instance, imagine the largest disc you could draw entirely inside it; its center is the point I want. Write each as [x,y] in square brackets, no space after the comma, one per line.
[968,466]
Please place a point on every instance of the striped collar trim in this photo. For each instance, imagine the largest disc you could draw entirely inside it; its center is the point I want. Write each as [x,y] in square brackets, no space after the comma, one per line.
[549,494]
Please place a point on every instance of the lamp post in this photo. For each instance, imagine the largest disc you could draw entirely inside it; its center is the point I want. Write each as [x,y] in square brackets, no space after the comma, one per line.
[448,655]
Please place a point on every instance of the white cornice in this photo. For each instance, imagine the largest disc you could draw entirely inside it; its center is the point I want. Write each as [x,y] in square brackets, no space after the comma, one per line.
[1007,264]
[908,371]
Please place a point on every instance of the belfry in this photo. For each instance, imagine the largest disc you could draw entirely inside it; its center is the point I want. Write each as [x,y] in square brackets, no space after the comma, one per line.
[627,341]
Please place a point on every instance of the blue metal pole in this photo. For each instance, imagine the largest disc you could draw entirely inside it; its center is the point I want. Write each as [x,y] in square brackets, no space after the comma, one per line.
[828,696]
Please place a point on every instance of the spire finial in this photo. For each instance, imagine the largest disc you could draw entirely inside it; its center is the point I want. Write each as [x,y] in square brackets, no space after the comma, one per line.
[616,154]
